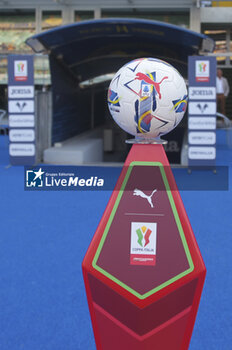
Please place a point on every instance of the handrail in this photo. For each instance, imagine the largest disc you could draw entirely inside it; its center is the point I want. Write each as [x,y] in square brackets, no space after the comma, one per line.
[228,122]
[2,114]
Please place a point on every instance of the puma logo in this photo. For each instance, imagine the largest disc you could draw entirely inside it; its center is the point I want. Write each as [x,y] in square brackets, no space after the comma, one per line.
[142,76]
[143,195]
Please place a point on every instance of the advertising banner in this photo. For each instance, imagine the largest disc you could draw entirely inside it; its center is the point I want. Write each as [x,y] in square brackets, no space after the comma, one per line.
[21,109]
[202,111]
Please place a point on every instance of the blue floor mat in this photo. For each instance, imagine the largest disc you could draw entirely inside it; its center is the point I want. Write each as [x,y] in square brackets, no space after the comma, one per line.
[44,237]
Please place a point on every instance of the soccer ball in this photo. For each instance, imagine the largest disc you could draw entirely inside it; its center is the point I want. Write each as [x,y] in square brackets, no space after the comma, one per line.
[147,98]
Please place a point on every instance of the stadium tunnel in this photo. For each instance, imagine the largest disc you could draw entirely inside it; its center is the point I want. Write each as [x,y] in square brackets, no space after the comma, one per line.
[83,58]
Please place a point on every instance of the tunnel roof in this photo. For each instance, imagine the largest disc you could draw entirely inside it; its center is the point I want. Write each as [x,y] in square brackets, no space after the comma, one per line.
[92,48]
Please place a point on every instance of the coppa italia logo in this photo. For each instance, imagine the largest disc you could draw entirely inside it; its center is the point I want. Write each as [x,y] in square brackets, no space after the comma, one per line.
[20,70]
[202,71]
[143,243]
[202,67]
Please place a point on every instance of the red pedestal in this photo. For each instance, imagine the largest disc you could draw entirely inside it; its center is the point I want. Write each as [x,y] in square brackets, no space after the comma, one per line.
[143,270]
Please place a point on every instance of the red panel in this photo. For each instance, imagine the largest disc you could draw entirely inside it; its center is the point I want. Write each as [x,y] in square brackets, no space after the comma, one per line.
[122,319]
[142,320]
[114,335]
[156,216]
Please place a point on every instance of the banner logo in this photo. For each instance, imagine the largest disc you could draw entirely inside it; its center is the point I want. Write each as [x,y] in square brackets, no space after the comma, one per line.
[202,93]
[202,138]
[202,71]
[21,106]
[21,120]
[202,108]
[199,123]
[208,153]
[143,243]
[20,70]
[21,91]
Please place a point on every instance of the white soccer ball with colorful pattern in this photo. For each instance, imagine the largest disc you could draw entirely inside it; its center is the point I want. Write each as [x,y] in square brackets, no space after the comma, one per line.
[147,98]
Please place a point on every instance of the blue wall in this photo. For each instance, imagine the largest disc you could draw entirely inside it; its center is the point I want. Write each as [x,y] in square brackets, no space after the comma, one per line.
[71,106]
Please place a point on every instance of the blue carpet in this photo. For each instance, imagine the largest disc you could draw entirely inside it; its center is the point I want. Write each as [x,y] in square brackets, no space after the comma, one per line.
[44,237]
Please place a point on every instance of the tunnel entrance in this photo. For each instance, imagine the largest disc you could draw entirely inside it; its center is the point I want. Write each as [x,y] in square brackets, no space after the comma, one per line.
[83,52]
[113,137]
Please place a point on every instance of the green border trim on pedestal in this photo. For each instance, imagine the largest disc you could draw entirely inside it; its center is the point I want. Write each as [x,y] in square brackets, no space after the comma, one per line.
[177,219]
